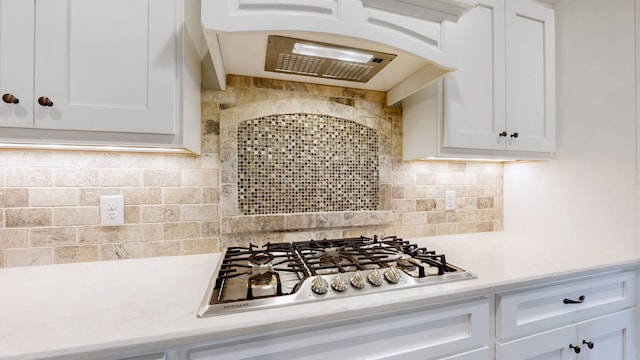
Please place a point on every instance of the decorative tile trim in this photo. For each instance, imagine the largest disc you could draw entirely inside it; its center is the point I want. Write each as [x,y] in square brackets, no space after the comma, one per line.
[298,222]
[234,218]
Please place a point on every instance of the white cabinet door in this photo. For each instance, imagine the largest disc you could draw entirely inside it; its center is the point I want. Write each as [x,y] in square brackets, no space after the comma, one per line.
[530,76]
[611,337]
[474,95]
[502,97]
[16,62]
[549,345]
[106,65]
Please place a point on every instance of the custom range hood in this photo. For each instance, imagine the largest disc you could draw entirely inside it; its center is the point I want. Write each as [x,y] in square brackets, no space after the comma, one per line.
[385,45]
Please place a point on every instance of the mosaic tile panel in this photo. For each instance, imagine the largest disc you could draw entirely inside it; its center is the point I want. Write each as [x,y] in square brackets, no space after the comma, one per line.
[301,163]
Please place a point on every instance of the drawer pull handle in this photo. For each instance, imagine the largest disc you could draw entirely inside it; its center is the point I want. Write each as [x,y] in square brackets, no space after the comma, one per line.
[503,134]
[10,99]
[576,349]
[45,101]
[588,343]
[579,301]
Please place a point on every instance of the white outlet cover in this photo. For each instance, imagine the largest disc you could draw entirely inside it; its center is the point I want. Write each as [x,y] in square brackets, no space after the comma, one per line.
[450,200]
[111,210]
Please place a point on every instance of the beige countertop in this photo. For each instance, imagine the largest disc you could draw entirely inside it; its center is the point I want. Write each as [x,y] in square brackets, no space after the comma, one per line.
[100,309]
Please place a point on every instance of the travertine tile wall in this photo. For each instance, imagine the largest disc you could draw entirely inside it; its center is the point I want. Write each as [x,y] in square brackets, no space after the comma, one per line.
[50,206]
[175,204]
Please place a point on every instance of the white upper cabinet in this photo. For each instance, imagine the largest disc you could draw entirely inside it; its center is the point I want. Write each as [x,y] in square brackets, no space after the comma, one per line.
[474,95]
[16,62]
[501,100]
[82,68]
[530,76]
[106,65]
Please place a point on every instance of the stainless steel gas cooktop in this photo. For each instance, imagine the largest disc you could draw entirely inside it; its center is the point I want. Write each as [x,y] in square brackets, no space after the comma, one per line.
[278,274]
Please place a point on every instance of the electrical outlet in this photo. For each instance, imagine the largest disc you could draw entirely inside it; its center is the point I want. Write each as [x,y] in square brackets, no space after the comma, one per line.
[450,200]
[111,210]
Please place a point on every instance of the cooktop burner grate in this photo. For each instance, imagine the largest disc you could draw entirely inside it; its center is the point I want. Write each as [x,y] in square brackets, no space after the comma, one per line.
[279,274]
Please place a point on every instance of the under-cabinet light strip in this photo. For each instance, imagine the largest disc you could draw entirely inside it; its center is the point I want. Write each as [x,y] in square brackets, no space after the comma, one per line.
[106,148]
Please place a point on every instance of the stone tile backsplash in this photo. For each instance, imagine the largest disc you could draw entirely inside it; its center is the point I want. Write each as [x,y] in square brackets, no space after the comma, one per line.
[176,204]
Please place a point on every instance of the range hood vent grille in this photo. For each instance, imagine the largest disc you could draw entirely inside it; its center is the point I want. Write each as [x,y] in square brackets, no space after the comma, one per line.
[280,58]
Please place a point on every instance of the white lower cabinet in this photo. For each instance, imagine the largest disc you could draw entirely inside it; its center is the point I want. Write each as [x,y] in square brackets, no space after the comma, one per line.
[610,337]
[454,332]
[590,318]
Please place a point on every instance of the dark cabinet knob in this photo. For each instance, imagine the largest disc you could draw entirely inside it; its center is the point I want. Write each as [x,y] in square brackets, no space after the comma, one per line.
[588,343]
[10,99]
[576,349]
[514,135]
[45,101]
[570,301]
[503,134]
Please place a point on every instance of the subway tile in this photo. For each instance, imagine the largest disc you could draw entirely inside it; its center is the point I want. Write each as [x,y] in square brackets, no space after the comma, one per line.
[99,234]
[199,212]
[142,232]
[74,254]
[417,218]
[161,248]
[76,177]
[485,226]
[485,203]
[201,177]
[142,195]
[403,206]
[117,251]
[120,177]
[28,217]
[182,195]
[76,216]
[52,236]
[91,196]
[201,246]
[14,197]
[28,256]
[30,177]
[43,197]
[14,238]
[426,205]
[181,230]
[161,177]
[160,213]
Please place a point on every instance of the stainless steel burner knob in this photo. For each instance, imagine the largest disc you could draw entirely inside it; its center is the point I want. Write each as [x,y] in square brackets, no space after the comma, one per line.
[338,283]
[375,278]
[392,275]
[357,280]
[319,285]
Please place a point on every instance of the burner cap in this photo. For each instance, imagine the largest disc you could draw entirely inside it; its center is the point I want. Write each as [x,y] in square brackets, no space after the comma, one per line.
[260,258]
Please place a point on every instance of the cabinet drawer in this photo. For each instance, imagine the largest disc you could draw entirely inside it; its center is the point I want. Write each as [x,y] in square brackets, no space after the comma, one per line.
[417,333]
[526,311]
